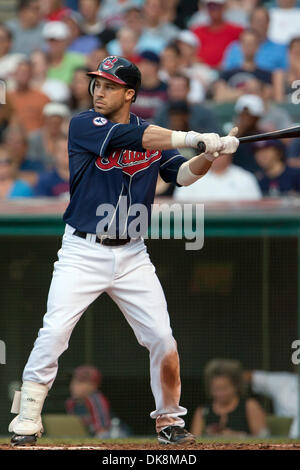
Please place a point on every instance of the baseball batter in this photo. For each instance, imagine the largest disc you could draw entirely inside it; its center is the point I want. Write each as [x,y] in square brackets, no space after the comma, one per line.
[113,154]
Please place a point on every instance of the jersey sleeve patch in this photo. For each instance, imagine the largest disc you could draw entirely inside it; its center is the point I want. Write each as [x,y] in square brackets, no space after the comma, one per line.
[100,121]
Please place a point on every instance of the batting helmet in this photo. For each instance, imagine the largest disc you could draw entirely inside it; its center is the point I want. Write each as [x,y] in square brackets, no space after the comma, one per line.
[118,70]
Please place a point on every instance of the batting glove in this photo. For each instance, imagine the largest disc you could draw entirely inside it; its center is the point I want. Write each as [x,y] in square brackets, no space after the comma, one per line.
[230,142]
[213,142]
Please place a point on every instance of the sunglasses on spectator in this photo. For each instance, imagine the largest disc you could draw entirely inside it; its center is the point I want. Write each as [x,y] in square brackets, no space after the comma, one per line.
[5,161]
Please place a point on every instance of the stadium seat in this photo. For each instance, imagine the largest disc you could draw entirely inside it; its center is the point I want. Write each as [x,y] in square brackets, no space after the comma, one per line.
[279,425]
[62,425]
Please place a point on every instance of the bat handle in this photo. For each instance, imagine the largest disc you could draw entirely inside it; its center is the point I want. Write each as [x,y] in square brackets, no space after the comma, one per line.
[201,147]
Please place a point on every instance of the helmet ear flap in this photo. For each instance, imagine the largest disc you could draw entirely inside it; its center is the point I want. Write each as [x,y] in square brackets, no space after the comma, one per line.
[92,86]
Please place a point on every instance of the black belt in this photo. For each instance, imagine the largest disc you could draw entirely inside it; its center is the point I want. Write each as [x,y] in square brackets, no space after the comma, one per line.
[105,240]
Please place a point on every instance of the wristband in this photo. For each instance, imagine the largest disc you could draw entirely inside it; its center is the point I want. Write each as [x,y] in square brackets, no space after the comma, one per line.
[178,139]
[185,176]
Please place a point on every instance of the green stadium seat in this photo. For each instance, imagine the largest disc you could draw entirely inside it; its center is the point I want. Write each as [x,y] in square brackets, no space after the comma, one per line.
[62,425]
[279,425]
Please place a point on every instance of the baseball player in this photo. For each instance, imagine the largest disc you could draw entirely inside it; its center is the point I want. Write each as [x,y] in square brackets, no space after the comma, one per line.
[113,154]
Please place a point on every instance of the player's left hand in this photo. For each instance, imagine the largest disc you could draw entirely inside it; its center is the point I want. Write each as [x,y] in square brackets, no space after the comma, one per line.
[230,142]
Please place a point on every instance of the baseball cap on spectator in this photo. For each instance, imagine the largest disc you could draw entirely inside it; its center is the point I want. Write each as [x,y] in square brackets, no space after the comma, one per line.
[56,90]
[151,56]
[188,37]
[253,103]
[56,109]
[269,143]
[87,373]
[56,30]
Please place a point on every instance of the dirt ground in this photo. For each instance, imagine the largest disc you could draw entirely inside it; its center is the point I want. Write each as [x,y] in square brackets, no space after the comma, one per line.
[122,447]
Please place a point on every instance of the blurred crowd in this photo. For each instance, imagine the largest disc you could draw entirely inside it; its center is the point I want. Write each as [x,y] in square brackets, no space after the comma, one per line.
[235,403]
[197,58]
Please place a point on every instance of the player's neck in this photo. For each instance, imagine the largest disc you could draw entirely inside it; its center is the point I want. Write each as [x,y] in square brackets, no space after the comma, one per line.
[122,116]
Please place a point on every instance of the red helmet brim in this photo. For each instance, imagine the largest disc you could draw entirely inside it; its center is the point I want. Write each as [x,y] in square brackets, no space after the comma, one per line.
[108,76]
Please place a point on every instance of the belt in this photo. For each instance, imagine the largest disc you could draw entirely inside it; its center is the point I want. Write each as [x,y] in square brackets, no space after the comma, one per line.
[104,240]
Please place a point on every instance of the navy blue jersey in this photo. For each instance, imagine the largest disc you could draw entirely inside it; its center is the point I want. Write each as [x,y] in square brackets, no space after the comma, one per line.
[107,164]
[287,182]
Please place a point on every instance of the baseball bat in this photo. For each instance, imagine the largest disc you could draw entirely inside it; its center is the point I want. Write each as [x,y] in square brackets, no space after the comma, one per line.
[289,132]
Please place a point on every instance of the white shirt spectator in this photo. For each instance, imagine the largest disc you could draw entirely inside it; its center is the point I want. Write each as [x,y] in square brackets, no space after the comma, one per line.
[232,185]
[282,388]
[284,24]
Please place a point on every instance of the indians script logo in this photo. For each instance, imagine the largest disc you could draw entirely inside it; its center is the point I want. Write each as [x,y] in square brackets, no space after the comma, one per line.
[129,161]
[109,63]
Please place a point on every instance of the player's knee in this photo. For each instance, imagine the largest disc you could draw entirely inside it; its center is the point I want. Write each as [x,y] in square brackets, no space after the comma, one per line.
[163,343]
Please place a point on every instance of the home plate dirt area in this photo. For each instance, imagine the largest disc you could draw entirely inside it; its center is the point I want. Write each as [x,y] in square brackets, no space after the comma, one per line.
[154,446]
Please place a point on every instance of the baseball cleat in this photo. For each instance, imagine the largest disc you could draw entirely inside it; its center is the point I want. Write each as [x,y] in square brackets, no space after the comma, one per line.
[175,435]
[19,440]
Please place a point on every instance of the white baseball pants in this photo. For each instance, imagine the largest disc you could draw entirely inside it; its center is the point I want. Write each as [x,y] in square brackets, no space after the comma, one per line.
[83,271]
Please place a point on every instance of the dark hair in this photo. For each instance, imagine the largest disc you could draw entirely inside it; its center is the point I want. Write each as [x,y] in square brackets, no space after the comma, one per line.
[24,4]
[225,368]
[7,30]
[173,46]
[294,41]
[181,75]
[178,107]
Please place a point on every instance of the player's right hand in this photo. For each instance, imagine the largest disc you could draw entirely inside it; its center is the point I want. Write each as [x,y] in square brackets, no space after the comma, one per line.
[212,141]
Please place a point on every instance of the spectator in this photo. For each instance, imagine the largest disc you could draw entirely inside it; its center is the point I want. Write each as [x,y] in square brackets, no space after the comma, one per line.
[88,402]
[96,57]
[78,41]
[269,55]
[27,103]
[16,142]
[8,60]
[5,118]
[125,45]
[217,35]
[54,10]
[113,11]
[236,82]
[156,33]
[201,76]
[42,143]
[11,186]
[92,22]
[170,62]
[229,413]
[200,118]
[276,178]
[90,18]
[80,98]
[285,80]
[224,182]
[153,92]
[282,389]
[293,153]
[284,21]
[249,109]
[56,90]
[236,12]
[55,182]
[62,63]
[27,28]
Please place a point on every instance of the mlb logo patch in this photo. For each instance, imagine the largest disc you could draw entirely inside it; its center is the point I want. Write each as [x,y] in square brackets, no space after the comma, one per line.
[100,121]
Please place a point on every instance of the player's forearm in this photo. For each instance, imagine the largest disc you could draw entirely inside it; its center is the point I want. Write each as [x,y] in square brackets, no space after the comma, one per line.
[156,137]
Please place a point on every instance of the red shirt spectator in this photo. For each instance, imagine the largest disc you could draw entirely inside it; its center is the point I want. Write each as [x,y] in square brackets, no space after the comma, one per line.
[216,36]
